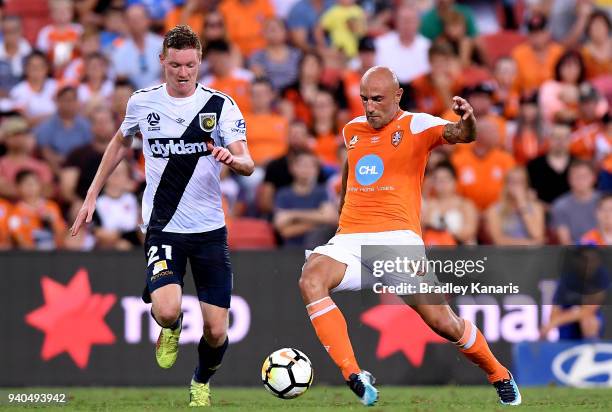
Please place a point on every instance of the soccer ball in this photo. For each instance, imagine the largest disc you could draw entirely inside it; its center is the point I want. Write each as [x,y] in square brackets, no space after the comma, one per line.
[287,373]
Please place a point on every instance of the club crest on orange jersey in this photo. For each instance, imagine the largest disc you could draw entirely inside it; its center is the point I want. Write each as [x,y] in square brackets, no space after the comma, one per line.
[396,137]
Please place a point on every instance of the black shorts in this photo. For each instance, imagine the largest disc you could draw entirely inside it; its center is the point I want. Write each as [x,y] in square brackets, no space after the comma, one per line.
[207,252]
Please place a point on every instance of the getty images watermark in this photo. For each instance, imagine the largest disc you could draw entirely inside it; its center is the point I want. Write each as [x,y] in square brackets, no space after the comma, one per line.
[405,270]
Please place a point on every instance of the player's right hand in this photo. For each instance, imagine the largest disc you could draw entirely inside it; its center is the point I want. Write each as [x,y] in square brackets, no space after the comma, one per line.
[221,154]
[84,216]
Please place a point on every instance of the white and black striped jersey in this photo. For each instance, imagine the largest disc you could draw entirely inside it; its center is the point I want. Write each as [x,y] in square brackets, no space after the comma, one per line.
[182,193]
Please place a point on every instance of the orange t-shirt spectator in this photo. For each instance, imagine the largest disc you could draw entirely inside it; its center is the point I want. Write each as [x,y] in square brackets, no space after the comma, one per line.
[536,58]
[267,131]
[5,210]
[481,169]
[227,78]
[35,222]
[244,20]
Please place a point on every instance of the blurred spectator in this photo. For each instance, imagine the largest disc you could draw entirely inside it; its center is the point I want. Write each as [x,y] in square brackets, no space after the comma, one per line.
[480,97]
[528,141]
[137,58]
[303,19]
[605,175]
[446,210]
[506,98]
[277,60]
[34,96]
[601,235]
[481,168]
[89,43]
[325,128]
[35,222]
[573,214]
[121,94]
[303,215]
[214,29]
[597,51]
[351,79]
[592,107]
[225,77]
[558,97]
[277,170]
[117,212]
[433,92]
[568,20]
[299,96]
[548,172]
[469,50]
[432,24]
[82,162]
[13,50]
[267,130]
[518,217]
[96,89]
[190,12]
[63,131]
[404,44]
[5,237]
[60,38]
[344,24]
[156,9]
[248,37]
[536,58]
[20,144]
[114,30]
[580,292]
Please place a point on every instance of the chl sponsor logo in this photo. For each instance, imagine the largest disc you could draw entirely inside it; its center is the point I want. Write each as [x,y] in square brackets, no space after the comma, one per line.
[369,169]
[167,147]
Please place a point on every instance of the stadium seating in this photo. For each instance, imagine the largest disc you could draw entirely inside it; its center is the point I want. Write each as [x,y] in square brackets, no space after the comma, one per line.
[500,44]
[249,234]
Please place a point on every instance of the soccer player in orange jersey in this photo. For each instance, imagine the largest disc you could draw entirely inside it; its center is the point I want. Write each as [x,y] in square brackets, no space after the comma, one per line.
[387,150]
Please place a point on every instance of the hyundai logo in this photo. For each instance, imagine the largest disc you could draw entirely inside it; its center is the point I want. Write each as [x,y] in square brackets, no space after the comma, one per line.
[585,366]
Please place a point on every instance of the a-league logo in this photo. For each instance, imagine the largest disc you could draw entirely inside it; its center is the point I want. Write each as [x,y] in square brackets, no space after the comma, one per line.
[208,121]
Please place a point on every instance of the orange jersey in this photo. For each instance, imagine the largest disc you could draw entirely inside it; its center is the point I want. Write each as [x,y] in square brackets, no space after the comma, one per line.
[385,172]
[533,70]
[593,237]
[27,224]
[244,22]
[5,210]
[481,179]
[237,87]
[267,136]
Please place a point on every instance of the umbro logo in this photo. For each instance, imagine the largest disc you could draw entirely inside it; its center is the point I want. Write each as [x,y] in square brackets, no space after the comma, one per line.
[179,120]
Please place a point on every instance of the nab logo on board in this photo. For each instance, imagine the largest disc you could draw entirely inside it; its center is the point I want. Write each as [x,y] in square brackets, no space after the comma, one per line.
[369,169]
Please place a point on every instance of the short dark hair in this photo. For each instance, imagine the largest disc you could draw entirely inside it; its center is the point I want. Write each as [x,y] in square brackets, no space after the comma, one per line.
[582,163]
[24,174]
[445,165]
[181,37]
[218,46]
[68,88]
[263,80]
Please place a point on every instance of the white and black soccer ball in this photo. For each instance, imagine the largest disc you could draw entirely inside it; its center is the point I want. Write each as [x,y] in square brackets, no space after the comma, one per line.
[287,373]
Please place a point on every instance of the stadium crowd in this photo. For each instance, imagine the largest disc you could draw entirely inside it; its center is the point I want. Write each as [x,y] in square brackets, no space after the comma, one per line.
[537,72]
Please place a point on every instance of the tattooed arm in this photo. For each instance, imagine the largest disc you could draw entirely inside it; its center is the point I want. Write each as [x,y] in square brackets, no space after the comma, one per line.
[464,131]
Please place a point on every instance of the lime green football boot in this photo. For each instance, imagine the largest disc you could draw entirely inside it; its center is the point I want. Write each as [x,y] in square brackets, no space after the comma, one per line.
[166,349]
[199,394]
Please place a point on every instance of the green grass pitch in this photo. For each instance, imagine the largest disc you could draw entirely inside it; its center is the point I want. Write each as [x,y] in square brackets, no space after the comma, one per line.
[320,399]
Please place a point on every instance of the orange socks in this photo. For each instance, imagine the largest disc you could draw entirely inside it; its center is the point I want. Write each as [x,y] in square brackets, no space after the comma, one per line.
[474,346]
[330,326]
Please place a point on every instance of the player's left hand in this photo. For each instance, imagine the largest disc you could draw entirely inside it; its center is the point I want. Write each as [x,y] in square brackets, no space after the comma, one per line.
[221,154]
[462,108]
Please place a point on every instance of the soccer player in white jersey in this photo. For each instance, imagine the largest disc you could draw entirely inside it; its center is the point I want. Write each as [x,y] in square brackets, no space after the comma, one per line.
[189,132]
